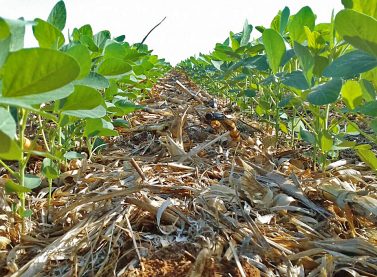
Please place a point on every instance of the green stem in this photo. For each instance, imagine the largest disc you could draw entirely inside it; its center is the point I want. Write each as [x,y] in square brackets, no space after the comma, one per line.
[23,161]
[11,171]
[43,134]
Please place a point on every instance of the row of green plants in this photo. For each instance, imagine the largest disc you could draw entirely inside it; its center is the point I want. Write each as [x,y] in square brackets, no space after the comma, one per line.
[65,95]
[312,81]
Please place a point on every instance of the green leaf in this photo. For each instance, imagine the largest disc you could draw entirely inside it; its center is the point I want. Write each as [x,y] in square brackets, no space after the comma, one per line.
[45,97]
[306,61]
[250,93]
[284,19]
[368,157]
[7,123]
[304,17]
[47,35]
[295,79]
[274,47]
[368,7]
[82,56]
[307,136]
[99,127]
[32,181]
[5,39]
[37,70]
[350,64]
[84,102]
[26,213]
[326,93]
[127,107]
[326,142]
[58,15]
[320,63]
[93,80]
[101,37]
[9,149]
[49,169]
[352,94]
[17,29]
[71,155]
[11,186]
[358,30]
[369,108]
[112,66]
[247,28]
[217,64]
[369,93]
[315,40]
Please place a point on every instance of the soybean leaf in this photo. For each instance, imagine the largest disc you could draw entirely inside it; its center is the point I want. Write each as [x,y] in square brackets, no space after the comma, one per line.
[295,79]
[127,107]
[304,17]
[258,62]
[315,40]
[284,19]
[98,127]
[352,94]
[120,38]
[367,156]
[326,93]
[58,15]
[289,54]
[369,93]
[37,70]
[84,102]
[11,186]
[307,136]
[112,66]
[93,80]
[82,56]
[320,63]
[5,39]
[32,181]
[45,97]
[274,47]
[7,123]
[358,30]
[247,28]
[217,64]
[17,29]
[350,64]
[326,141]
[47,35]
[306,61]
[71,155]
[101,37]
[368,7]
[369,108]
[50,169]
[9,149]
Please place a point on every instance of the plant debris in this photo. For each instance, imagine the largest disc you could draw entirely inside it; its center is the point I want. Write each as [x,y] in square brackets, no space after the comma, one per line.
[177,194]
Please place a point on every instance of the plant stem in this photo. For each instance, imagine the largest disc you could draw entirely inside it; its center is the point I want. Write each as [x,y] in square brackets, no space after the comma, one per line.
[11,171]
[43,134]
[23,161]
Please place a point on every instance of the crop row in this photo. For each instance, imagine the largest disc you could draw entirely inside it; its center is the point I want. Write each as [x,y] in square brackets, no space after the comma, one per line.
[64,94]
[308,80]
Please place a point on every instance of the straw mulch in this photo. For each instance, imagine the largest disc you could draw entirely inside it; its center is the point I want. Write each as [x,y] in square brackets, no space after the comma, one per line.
[180,193]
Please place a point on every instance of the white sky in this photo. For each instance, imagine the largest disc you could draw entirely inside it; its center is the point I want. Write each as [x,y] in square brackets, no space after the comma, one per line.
[191,26]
